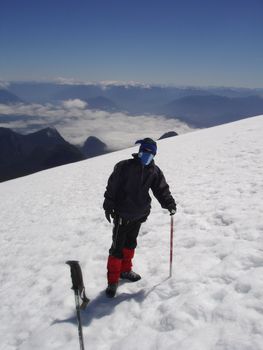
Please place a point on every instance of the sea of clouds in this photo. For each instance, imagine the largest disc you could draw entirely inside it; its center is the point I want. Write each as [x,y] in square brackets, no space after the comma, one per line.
[75,121]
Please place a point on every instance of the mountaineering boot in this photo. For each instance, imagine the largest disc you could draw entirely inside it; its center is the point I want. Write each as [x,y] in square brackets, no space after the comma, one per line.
[111,290]
[131,276]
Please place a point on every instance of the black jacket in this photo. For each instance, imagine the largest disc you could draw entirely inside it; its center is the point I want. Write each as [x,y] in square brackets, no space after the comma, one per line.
[127,192]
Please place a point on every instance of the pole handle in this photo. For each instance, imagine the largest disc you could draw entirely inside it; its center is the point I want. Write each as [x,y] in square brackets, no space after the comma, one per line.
[76,275]
[77,282]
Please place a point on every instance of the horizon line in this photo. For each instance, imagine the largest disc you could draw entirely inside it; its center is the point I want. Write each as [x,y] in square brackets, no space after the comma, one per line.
[129,83]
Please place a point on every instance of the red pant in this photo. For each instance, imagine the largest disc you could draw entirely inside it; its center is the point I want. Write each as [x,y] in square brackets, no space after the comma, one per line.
[124,242]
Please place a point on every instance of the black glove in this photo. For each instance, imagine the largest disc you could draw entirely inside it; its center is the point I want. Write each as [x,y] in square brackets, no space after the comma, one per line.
[109,213]
[172,210]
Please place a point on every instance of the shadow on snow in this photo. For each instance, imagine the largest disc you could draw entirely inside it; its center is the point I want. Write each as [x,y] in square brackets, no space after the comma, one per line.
[103,306]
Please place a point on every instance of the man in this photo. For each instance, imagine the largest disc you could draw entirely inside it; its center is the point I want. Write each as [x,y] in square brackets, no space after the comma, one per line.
[128,203]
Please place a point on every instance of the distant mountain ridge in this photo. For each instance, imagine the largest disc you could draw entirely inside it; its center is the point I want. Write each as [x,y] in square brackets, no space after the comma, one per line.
[211,110]
[7,97]
[101,103]
[200,107]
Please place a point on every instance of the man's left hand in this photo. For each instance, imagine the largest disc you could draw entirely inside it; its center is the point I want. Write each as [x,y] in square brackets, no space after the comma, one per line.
[172,210]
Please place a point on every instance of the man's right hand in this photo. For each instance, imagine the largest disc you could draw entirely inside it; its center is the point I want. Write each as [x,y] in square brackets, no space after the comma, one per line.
[109,214]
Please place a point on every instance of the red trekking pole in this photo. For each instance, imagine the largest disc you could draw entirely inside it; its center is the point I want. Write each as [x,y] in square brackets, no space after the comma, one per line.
[171,245]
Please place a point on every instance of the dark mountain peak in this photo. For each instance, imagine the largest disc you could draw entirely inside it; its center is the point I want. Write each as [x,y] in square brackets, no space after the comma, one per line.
[47,132]
[46,137]
[51,131]
[94,140]
[94,147]
[25,154]
[168,134]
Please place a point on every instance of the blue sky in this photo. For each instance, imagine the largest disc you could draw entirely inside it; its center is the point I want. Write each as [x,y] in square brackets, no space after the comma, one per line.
[190,42]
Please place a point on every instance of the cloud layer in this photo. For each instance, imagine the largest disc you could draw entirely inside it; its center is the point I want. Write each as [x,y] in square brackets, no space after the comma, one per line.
[76,122]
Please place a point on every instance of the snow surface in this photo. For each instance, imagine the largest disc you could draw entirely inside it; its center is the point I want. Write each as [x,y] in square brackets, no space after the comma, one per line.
[214,299]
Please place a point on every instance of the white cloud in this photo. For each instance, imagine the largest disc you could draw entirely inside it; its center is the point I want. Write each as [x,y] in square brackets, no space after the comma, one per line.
[76,103]
[75,122]
[104,83]
[71,81]
[107,83]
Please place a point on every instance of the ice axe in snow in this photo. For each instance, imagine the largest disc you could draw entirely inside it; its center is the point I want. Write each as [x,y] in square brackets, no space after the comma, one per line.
[79,291]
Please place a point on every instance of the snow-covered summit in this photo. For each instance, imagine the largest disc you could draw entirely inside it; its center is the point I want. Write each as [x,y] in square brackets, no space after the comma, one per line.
[214,299]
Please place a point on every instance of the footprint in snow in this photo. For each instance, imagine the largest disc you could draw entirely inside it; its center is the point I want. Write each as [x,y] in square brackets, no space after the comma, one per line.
[243,288]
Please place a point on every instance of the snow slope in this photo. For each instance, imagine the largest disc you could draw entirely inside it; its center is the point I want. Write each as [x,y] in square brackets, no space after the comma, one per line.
[215,296]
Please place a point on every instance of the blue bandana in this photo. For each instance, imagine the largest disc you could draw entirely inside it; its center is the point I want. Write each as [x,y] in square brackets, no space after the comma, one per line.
[145,157]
